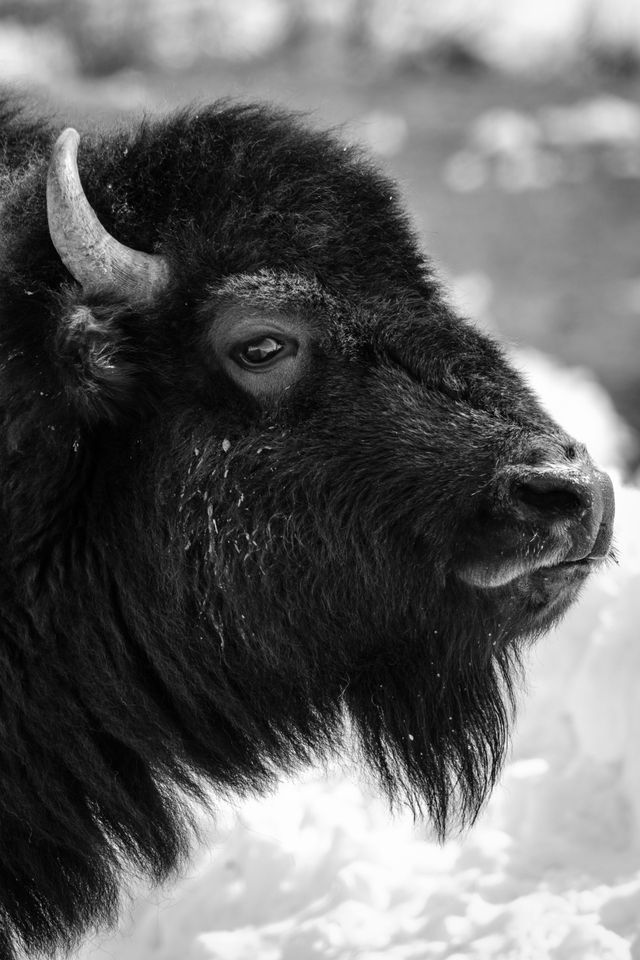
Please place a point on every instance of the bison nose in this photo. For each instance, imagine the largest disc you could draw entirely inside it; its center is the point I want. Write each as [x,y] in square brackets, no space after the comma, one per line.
[557,516]
[579,500]
[548,493]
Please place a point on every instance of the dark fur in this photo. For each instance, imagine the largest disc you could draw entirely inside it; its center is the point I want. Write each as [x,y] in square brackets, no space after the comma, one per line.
[178,611]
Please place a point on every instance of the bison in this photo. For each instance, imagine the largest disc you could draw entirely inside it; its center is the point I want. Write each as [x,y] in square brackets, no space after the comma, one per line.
[262,493]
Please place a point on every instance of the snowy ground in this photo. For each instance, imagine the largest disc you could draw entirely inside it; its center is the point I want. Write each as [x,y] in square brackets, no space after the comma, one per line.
[551,870]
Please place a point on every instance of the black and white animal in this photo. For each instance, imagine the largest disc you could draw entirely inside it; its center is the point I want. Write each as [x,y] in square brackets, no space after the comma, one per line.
[259,485]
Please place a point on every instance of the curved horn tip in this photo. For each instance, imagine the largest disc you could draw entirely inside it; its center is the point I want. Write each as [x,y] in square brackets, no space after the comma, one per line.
[69,135]
[62,165]
[66,145]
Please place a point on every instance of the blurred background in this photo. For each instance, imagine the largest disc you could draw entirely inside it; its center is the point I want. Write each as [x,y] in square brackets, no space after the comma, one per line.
[513,127]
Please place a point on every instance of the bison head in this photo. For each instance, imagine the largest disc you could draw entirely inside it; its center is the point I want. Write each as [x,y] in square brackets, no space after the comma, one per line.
[262,492]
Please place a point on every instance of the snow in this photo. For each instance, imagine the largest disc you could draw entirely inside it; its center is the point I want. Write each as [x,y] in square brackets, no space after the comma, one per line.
[552,868]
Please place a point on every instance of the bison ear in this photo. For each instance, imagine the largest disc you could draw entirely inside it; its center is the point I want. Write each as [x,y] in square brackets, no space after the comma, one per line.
[95,363]
[92,256]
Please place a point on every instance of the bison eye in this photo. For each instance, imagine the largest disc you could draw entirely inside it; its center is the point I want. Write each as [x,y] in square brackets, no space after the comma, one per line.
[262,352]
[258,352]
[264,355]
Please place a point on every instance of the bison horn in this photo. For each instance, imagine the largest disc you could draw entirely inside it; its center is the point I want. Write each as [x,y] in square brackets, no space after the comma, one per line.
[93,257]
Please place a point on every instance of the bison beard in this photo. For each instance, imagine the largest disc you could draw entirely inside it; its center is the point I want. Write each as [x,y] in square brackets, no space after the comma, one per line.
[207,581]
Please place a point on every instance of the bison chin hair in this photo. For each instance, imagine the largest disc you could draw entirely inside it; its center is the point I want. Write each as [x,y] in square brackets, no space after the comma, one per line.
[425,696]
[338,635]
[436,743]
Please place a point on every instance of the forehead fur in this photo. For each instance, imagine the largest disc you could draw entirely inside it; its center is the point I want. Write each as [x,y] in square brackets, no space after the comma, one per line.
[233,190]
[272,290]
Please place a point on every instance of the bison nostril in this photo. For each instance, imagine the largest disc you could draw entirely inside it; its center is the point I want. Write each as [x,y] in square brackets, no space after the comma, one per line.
[551,495]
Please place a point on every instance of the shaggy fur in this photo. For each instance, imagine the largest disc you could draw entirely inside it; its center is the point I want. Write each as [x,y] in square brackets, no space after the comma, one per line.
[199,589]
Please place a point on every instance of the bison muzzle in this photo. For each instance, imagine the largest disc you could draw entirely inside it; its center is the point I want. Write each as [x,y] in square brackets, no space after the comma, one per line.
[262,493]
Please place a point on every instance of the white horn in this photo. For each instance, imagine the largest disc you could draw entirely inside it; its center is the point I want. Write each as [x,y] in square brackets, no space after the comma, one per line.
[93,257]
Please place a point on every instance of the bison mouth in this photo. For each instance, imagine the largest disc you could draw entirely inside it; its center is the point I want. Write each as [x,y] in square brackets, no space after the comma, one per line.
[537,598]
[548,592]
[490,576]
